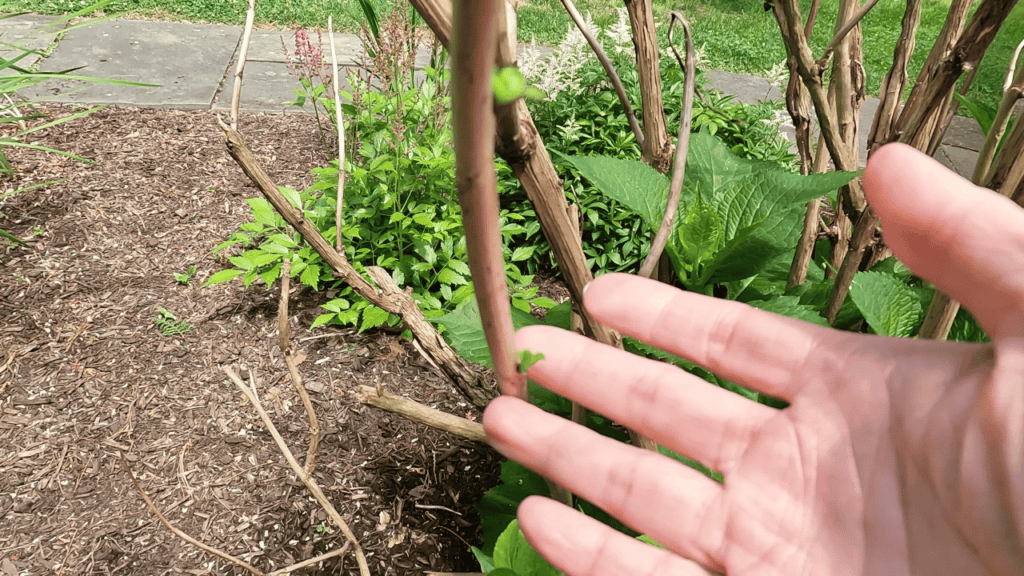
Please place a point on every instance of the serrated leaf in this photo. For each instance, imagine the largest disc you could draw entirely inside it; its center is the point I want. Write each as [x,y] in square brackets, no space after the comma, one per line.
[544,302]
[701,232]
[336,305]
[242,262]
[790,306]
[522,253]
[223,276]
[425,251]
[270,276]
[449,276]
[373,317]
[322,319]
[966,329]
[464,330]
[639,187]
[398,276]
[458,266]
[292,195]
[262,211]
[310,276]
[888,305]
[508,84]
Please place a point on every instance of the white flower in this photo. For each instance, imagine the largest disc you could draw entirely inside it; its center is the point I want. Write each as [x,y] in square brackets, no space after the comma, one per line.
[620,33]
[778,75]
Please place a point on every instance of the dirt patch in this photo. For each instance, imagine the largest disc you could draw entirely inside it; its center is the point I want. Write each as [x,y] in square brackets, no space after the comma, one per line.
[86,375]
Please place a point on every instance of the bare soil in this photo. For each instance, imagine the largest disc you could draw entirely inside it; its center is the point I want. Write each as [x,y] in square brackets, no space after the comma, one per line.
[85,375]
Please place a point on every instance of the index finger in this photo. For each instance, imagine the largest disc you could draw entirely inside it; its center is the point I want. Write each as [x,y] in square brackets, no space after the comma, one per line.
[760,350]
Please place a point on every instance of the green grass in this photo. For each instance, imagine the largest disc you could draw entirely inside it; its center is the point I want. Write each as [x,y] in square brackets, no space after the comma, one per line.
[738,35]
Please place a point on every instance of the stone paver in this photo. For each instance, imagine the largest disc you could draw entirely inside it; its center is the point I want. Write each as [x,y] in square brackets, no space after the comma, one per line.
[187,61]
[30,31]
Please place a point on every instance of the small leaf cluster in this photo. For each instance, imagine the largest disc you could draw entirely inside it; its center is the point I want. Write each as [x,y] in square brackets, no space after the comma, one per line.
[587,119]
[400,213]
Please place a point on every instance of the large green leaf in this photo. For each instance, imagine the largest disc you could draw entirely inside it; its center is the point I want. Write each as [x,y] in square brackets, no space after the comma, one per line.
[636,185]
[790,306]
[465,331]
[888,305]
[498,506]
[513,552]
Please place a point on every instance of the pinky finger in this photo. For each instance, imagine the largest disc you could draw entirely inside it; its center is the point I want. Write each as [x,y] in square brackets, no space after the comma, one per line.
[581,546]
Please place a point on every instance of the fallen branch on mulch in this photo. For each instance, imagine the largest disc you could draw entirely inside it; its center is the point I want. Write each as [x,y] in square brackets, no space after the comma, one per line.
[211,550]
[415,411]
[307,479]
[388,297]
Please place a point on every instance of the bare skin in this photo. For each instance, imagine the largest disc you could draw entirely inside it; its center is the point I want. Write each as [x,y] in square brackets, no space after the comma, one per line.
[896,457]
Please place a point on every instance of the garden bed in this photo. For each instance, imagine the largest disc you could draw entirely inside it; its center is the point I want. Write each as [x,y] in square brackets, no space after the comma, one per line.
[85,374]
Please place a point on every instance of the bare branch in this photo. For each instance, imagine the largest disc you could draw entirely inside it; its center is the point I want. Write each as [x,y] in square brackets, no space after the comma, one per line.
[152,508]
[650,264]
[236,94]
[609,69]
[311,561]
[1012,66]
[891,90]
[283,335]
[473,125]
[657,148]
[843,31]
[314,489]
[340,202]
[390,297]
[1011,93]
[418,412]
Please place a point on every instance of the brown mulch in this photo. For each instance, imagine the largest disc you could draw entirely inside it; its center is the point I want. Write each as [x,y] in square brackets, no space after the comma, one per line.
[85,375]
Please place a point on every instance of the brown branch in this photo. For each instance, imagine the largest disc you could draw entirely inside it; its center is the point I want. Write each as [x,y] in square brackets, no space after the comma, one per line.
[1004,176]
[809,233]
[389,297]
[236,94]
[845,29]
[862,233]
[283,335]
[609,69]
[657,148]
[473,127]
[311,485]
[152,508]
[650,263]
[891,90]
[520,145]
[340,121]
[313,560]
[419,413]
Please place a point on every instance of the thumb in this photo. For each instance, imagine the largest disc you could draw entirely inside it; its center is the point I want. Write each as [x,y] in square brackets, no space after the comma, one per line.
[967,240]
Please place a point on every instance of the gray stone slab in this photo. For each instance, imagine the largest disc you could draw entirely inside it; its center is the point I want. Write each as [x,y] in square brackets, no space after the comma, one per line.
[266,46]
[747,89]
[188,62]
[960,160]
[964,133]
[266,87]
[30,31]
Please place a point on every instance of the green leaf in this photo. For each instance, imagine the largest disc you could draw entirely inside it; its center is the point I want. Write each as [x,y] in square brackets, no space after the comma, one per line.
[271,275]
[527,359]
[242,262]
[486,562]
[888,305]
[790,306]
[223,276]
[639,187]
[966,329]
[983,113]
[512,551]
[449,276]
[508,83]
[322,319]
[497,508]
[336,305]
[310,276]
[373,317]
[291,195]
[458,266]
[701,233]
[544,302]
[262,211]
[522,253]
[464,331]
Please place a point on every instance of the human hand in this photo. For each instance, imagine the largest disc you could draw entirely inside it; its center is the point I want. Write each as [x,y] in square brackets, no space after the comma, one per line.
[896,457]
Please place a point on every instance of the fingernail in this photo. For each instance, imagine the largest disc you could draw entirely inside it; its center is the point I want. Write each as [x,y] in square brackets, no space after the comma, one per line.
[586,287]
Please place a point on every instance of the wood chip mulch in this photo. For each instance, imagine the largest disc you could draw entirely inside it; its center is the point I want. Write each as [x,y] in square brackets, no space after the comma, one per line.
[85,375]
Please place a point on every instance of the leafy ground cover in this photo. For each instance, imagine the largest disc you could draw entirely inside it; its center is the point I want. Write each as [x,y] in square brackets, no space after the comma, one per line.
[736,35]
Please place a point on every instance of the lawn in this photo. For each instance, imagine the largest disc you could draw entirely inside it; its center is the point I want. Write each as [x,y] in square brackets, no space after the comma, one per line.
[737,35]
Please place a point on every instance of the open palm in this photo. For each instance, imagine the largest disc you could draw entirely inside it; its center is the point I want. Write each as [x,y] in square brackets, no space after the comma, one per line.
[895,457]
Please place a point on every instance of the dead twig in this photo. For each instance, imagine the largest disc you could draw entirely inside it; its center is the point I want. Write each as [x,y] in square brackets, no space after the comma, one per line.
[284,335]
[650,263]
[609,69]
[236,94]
[339,120]
[152,508]
[313,560]
[843,31]
[311,485]
[424,414]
